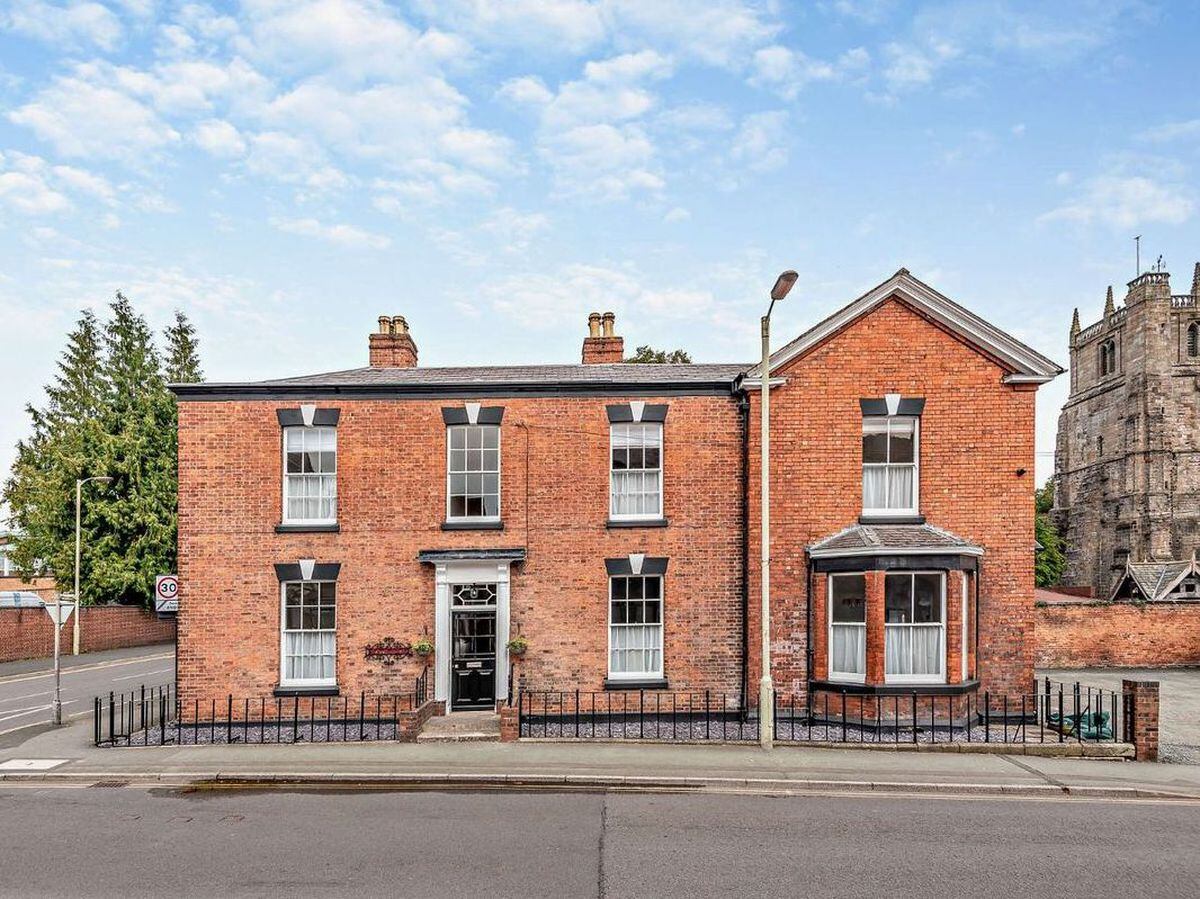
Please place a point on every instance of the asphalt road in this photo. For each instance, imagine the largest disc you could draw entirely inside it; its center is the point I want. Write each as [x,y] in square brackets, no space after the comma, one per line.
[134,842]
[27,688]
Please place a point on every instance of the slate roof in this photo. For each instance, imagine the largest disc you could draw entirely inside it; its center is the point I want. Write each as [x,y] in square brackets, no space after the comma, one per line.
[901,539]
[619,375]
[1155,580]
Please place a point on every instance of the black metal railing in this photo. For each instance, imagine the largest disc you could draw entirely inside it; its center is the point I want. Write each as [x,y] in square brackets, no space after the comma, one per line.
[1056,713]
[634,715]
[152,716]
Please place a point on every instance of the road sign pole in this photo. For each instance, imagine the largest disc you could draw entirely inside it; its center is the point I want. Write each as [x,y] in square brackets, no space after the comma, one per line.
[57,660]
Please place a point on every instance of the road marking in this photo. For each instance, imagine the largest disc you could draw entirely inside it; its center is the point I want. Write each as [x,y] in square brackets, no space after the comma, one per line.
[142,674]
[17,678]
[31,764]
[8,699]
[21,713]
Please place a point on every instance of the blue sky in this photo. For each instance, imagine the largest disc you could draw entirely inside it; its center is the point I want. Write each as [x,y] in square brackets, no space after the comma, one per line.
[285,172]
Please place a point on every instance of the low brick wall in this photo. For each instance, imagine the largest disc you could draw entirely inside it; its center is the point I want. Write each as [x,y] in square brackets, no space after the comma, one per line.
[28,633]
[1073,632]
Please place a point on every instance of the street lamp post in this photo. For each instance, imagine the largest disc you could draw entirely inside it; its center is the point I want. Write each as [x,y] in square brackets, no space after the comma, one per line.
[78,502]
[766,690]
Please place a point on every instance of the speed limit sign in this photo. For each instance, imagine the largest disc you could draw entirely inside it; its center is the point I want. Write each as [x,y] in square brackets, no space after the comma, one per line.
[166,593]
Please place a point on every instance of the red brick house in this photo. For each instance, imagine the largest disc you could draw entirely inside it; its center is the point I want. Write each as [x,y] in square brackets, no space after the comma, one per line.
[600,510]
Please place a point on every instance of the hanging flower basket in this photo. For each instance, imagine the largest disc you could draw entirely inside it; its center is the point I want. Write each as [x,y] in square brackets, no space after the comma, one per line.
[422,647]
[517,646]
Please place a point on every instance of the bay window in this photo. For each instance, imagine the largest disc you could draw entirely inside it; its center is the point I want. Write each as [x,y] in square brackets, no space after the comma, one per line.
[310,475]
[848,627]
[915,627]
[635,630]
[890,466]
[636,470]
[308,645]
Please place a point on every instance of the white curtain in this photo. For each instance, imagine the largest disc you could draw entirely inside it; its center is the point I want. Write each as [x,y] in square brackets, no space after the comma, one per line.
[636,648]
[848,649]
[308,655]
[875,487]
[900,487]
[914,649]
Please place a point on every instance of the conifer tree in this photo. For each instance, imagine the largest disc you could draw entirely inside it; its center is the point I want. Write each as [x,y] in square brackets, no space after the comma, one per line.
[64,445]
[183,357]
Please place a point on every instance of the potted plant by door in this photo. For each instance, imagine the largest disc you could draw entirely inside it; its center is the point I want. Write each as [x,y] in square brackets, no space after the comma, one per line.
[517,646]
[422,647]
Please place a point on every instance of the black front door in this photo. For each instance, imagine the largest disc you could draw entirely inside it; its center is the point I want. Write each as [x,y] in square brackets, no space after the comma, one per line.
[474,663]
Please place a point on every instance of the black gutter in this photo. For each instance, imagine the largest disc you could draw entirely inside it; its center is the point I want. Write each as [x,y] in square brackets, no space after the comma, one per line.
[218,392]
[744,410]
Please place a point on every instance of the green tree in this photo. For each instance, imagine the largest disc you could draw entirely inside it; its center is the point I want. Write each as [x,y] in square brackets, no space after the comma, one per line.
[108,412]
[64,444]
[1049,559]
[650,356]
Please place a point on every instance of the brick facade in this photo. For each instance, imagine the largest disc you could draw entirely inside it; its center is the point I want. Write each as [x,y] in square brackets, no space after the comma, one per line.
[976,458]
[28,634]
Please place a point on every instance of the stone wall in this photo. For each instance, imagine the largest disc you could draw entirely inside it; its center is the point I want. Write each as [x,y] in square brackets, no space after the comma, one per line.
[1127,463]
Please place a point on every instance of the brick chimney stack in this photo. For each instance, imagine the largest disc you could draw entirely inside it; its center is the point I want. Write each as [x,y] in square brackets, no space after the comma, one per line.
[602,346]
[393,346]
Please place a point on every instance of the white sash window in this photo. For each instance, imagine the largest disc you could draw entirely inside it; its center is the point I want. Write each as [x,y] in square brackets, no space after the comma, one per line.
[915,627]
[848,627]
[636,470]
[310,475]
[890,466]
[309,634]
[473,473]
[635,629]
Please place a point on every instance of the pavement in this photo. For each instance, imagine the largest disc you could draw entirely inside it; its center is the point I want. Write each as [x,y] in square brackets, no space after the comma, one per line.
[1179,703]
[66,755]
[27,687]
[82,842]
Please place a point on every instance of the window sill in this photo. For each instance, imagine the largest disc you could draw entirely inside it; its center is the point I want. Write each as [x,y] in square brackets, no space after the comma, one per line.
[636,523]
[868,518]
[829,686]
[472,525]
[307,691]
[654,683]
[308,528]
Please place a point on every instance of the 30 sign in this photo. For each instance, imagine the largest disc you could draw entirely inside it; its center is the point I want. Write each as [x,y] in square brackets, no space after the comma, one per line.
[166,594]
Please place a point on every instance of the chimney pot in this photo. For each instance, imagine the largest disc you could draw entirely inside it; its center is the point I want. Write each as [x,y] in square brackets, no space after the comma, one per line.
[602,346]
[393,346]
[594,325]
[610,319]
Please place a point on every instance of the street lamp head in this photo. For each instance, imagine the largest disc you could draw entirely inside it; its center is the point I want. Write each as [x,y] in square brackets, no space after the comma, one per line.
[783,284]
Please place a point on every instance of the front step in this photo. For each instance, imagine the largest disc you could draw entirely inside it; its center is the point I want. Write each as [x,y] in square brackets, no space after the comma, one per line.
[461,727]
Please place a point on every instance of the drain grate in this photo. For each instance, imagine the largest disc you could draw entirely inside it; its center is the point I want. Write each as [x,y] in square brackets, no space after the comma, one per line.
[109,783]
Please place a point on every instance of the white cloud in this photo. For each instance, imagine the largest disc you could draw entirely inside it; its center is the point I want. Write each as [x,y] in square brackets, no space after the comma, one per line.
[527,90]
[219,138]
[293,161]
[31,185]
[717,32]
[71,23]
[83,119]
[1171,131]
[340,234]
[910,66]
[1125,201]
[514,229]
[788,71]
[546,300]
[562,26]
[677,214]
[760,143]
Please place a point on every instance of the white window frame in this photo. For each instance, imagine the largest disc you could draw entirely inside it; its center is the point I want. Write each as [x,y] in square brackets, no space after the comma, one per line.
[662,486]
[7,568]
[482,519]
[966,600]
[912,509]
[662,630]
[284,680]
[845,677]
[942,626]
[285,518]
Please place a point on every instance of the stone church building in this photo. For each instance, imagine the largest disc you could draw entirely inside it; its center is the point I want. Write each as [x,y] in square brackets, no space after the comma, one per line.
[1127,466]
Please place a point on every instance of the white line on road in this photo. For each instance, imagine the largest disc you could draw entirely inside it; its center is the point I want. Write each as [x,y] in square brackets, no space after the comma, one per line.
[142,674]
[17,678]
[21,713]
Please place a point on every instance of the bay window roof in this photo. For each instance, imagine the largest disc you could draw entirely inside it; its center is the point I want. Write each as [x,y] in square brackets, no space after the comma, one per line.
[891,539]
